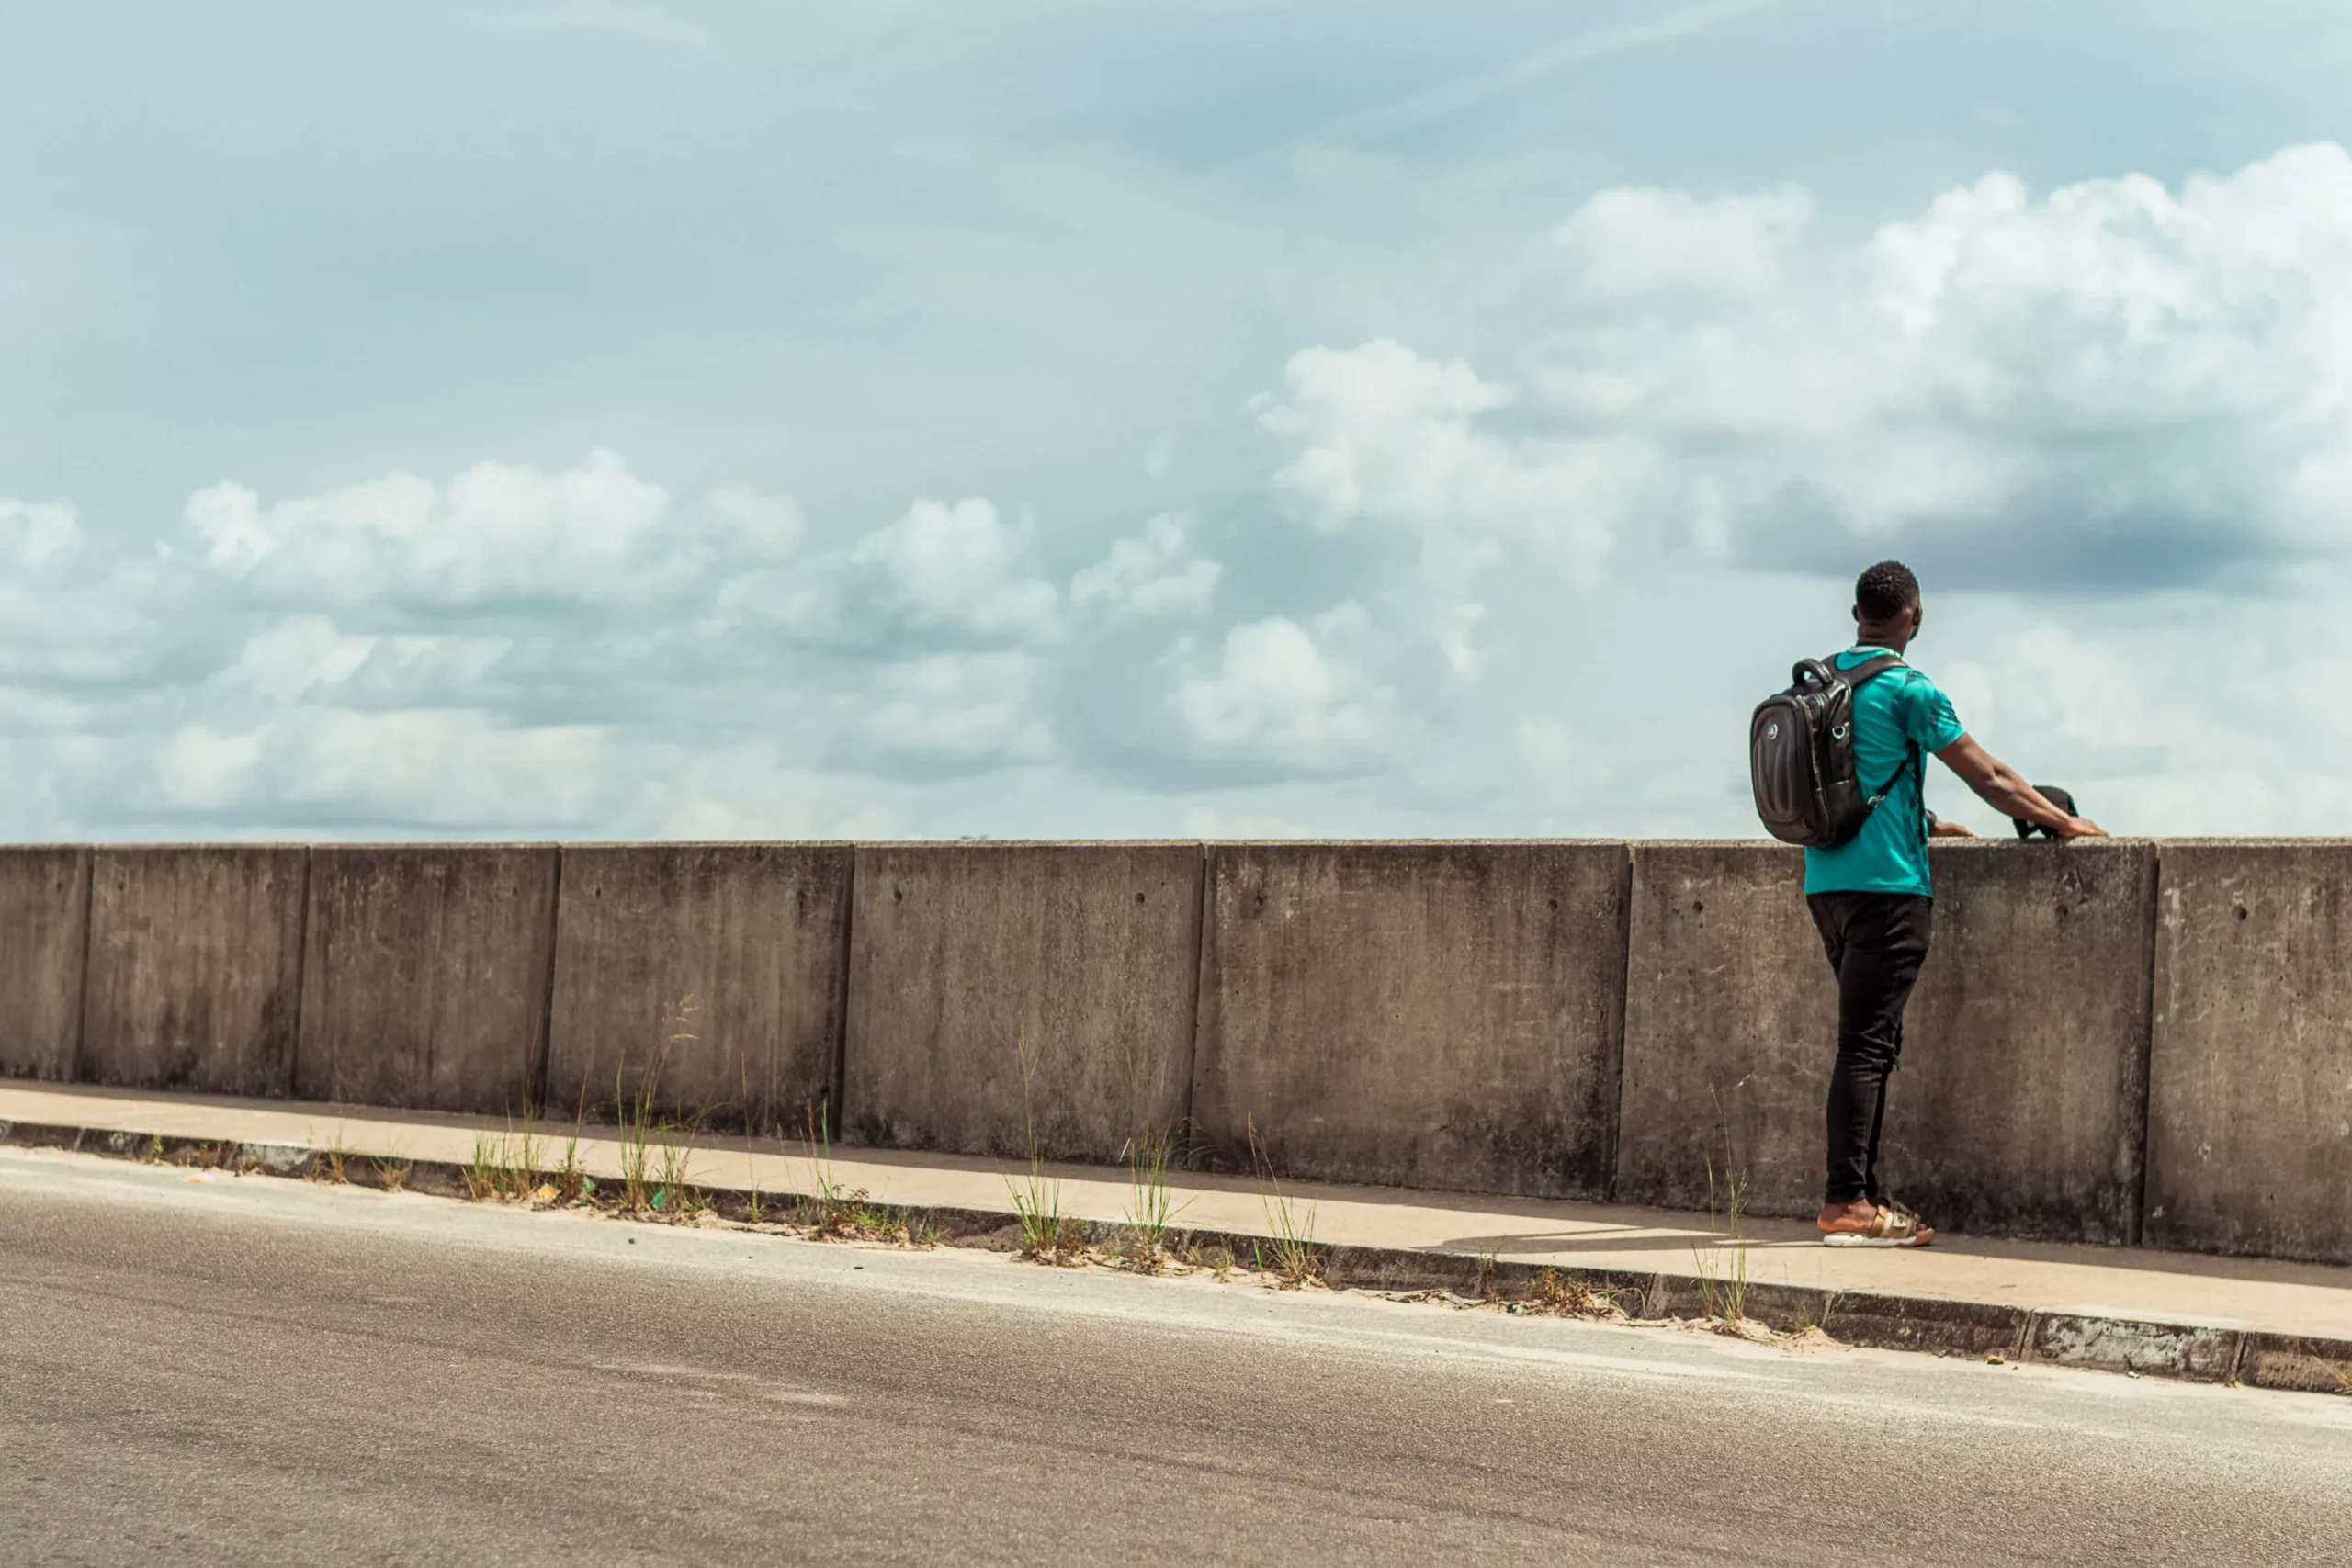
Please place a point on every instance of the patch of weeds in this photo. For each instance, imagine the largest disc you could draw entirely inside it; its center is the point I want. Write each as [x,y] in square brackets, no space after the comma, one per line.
[830,1207]
[203,1156]
[756,1209]
[391,1174]
[1569,1296]
[1486,1285]
[569,1182]
[849,1214]
[506,1166]
[675,1195]
[333,1161]
[1289,1254]
[657,1155]
[833,1212]
[1151,1207]
[482,1169]
[1722,1291]
[154,1155]
[487,1172]
[1048,1234]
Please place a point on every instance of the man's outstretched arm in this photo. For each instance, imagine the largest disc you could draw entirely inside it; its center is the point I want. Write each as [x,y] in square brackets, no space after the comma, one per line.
[2003,789]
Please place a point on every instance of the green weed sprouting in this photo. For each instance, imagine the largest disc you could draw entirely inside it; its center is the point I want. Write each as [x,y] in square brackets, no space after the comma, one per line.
[1151,1207]
[1723,1292]
[1048,1233]
[837,1212]
[505,1165]
[1289,1253]
[657,1154]
[332,1161]
[756,1210]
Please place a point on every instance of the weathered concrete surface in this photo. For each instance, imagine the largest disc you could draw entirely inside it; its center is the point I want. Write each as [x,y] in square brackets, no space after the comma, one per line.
[44,934]
[2292,1362]
[962,956]
[2018,1107]
[756,935]
[1436,1015]
[1728,1007]
[425,975]
[1924,1322]
[2250,1113]
[195,968]
[2201,1354]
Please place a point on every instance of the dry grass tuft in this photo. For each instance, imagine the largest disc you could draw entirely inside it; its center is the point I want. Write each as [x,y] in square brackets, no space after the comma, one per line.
[1290,1255]
[1048,1234]
[1569,1296]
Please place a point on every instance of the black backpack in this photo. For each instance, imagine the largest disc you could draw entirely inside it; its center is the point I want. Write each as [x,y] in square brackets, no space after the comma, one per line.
[1801,756]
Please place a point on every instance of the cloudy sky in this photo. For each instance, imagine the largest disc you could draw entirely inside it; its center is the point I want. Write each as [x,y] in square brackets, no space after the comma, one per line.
[759,418]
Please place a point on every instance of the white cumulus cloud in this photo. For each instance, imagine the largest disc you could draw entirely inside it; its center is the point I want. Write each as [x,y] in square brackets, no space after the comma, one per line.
[1292,695]
[1149,575]
[962,568]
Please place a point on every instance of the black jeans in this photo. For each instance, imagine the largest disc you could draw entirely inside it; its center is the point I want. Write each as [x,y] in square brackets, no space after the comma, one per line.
[1876,943]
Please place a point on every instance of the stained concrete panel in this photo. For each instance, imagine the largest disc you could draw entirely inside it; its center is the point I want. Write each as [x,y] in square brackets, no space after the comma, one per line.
[754,936]
[426,976]
[1434,1015]
[44,933]
[2250,1084]
[195,968]
[2019,1107]
[962,956]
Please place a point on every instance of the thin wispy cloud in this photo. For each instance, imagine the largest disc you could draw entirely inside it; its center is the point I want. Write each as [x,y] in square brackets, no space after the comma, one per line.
[1466,94]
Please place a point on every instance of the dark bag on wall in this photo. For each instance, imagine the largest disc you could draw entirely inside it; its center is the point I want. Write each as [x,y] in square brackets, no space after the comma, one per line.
[1801,756]
[2056,796]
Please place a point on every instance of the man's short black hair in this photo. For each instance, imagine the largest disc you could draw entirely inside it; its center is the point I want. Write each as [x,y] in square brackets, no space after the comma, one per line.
[1886,591]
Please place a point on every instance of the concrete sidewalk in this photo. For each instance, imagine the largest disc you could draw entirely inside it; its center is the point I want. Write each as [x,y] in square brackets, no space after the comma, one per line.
[2257,1321]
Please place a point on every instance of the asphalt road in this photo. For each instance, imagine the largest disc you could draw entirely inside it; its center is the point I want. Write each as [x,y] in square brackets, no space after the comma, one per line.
[265,1371]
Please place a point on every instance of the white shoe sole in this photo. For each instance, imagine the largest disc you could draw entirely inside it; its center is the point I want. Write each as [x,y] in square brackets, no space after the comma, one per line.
[1855,1238]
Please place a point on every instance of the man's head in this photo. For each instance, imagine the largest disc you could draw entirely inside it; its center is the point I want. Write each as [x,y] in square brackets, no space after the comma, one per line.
[1886,605]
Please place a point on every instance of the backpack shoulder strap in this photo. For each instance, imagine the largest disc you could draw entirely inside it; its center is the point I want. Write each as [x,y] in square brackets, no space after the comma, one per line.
[1867,669]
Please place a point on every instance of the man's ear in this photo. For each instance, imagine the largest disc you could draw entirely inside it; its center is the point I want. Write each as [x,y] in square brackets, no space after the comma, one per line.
[1858,615]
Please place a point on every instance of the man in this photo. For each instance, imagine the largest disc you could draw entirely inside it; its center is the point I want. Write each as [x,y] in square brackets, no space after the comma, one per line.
[1871,898]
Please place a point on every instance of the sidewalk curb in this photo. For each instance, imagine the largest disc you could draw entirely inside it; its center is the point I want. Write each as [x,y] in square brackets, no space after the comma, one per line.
[2189,1351]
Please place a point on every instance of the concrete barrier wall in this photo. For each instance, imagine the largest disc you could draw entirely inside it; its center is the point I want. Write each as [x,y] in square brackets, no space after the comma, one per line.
[2019,1107]
[1438,1015]
[44,931]
[1571,1020]
[193,976]
[962,956]
[1730,1025]
[425,977]
[2250,1118]
[753,936]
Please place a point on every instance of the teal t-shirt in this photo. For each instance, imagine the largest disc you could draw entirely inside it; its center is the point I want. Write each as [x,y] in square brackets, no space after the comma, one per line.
[1898,709]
